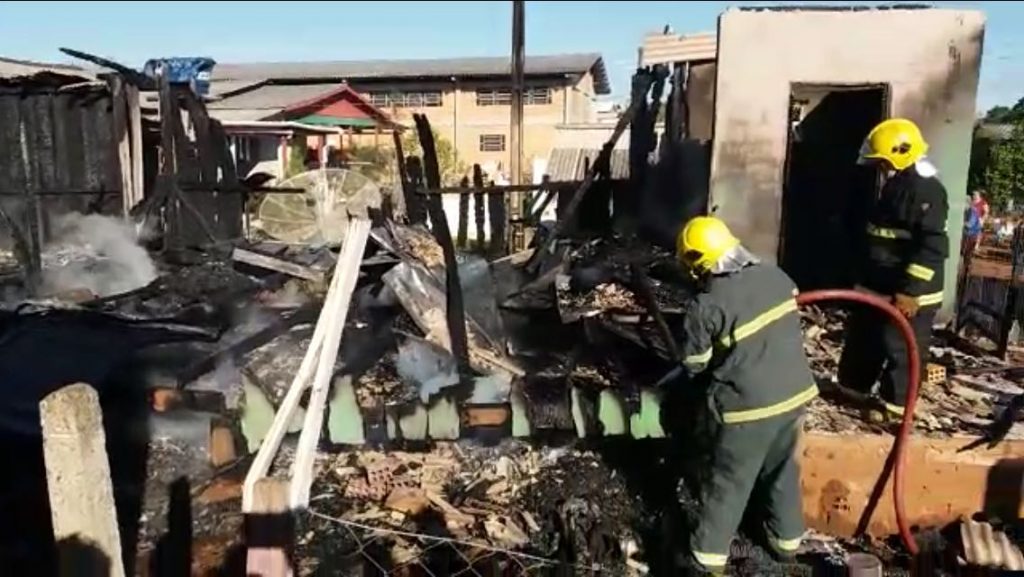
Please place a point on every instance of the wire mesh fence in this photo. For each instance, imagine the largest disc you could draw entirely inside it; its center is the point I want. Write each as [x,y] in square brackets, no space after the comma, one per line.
[379,551]
[385,551]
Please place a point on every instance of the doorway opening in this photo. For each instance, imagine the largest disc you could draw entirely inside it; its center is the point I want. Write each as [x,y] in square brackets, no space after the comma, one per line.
[826,194]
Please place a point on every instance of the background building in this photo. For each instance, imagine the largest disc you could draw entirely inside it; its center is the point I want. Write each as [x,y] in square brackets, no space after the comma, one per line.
[468,100]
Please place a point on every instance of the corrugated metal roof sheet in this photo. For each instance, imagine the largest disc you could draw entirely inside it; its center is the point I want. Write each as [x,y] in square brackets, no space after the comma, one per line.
[11,69]
[236,127]
[275,96]
[985,547]
[271,100]
[228,87]
[241,114]
[572,163]
[587,136]
[355,70]
[671,48]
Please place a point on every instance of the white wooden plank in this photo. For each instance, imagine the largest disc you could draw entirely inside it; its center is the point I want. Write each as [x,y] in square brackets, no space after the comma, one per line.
[286,411]
[347,270]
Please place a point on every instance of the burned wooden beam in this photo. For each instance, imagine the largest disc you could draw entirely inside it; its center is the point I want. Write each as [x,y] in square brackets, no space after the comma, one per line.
[276,264]
[455,309]
[499,218]
[417,210]
[410,171]
[463,217]
[570,211]
[263,336]
[131,75]
[478,205]
[643,286]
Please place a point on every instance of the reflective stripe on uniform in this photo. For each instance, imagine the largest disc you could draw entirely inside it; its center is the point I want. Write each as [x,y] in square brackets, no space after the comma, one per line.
[761,321]
[787,545]
[698,360]
[797,400]
[930,299]
[894,409]
[921,272]
[711,559]
[894,233]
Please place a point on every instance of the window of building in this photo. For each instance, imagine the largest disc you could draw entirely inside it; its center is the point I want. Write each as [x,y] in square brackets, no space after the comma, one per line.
[537,96]
[492,143]
[503,97]
[493,97]
[424,99]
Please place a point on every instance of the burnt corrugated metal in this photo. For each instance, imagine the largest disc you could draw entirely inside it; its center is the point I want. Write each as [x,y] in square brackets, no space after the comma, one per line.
[672,48]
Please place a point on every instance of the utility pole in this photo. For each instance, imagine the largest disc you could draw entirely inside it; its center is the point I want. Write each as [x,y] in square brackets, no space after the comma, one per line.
[516,125]
[518,62]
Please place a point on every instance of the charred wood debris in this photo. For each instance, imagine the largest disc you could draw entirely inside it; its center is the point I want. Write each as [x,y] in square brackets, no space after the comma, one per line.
[543,361]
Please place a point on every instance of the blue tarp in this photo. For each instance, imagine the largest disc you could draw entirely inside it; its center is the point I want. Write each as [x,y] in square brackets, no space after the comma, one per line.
[194,71]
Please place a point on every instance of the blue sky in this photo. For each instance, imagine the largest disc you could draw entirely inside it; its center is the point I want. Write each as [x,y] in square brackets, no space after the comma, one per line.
[132,32]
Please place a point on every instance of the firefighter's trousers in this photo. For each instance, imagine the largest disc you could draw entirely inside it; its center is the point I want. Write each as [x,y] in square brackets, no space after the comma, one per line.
[874,351]
[755,463]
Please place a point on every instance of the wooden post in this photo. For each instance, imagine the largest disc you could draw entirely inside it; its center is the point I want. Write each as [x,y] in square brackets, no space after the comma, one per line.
[515,199]
[269,531]
[463,233]
[455,310]
[516,128]
[135,127]
[498,216]
[122,136]
[478,208]
[78,472]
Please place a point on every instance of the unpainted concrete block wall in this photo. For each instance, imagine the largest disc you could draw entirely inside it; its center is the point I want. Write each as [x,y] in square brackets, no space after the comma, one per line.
[929,59]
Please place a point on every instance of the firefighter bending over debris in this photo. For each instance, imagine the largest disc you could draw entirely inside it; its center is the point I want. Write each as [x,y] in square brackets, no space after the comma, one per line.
[743,339]
[906,253]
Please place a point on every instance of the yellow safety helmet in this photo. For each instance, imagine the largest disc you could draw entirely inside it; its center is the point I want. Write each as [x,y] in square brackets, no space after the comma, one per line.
[702,242]
[898,141]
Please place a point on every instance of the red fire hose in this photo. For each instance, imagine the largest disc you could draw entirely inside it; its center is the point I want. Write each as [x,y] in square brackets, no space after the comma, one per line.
[900,443]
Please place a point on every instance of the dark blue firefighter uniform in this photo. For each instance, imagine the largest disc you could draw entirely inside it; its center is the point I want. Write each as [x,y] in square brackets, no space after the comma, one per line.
[743,338]
[906,254]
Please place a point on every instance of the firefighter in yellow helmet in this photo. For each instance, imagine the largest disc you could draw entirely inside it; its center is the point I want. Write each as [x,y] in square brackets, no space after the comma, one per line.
[905,253]
[742,340]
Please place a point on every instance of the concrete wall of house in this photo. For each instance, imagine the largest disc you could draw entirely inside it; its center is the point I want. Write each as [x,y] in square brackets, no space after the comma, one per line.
[462,121]
[929,59]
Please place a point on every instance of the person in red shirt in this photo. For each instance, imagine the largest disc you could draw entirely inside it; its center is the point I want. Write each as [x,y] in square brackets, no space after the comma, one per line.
[980,205]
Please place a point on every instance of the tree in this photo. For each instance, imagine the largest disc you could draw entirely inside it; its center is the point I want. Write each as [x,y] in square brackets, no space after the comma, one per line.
[452,169]
[374,162]
[378,162]
[1004,173]
[1006,114]
[296,157]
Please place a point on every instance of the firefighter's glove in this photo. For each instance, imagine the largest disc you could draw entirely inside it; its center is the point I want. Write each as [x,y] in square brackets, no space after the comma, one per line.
[906,304]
